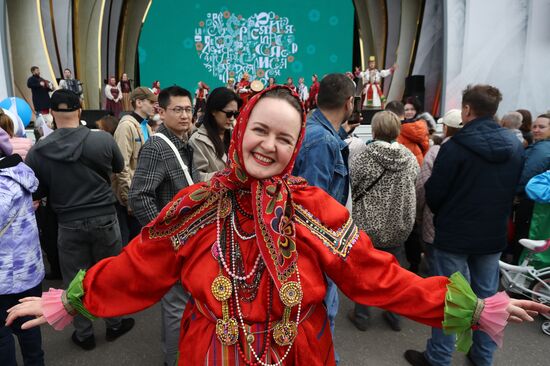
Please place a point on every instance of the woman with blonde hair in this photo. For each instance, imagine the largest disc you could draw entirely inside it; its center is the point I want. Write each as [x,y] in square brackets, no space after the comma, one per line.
[383,190]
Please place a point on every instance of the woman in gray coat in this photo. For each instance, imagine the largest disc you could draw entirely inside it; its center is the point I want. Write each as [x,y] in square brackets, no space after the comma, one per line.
[210,142]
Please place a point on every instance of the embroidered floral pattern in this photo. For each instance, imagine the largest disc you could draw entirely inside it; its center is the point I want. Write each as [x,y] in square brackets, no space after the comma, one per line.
[274,192]
[239,171]
[283,225]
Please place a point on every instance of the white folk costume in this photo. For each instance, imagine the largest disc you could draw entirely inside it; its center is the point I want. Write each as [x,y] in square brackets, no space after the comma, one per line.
[373,98]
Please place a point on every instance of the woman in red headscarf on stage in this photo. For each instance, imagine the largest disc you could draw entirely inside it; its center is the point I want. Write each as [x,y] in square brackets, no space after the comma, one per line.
[252,246]
[243,88]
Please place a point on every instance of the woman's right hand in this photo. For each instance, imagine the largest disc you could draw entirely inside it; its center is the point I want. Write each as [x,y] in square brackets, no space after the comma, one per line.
[28,306]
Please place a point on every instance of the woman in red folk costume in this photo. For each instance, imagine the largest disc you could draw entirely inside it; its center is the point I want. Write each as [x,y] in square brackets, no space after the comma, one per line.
[113,97]
[243,88]
[252,246]
[313,91]
[155,88]
[126,88]
[200,98]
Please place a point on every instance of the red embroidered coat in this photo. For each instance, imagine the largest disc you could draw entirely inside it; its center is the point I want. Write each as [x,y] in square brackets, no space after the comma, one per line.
[146,269]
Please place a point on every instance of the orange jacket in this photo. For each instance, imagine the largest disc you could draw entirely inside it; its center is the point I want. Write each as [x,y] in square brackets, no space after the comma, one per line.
[415,136]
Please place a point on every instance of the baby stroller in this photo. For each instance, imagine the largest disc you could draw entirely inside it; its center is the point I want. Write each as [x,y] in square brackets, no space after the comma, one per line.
[524,279]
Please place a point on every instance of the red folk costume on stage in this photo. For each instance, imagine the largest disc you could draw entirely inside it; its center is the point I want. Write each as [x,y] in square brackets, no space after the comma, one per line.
[313,91]
[113,99]
[126,89]
[243,89]
[253,254]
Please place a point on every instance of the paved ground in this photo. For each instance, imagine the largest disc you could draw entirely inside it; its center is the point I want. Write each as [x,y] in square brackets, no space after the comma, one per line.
[379,346]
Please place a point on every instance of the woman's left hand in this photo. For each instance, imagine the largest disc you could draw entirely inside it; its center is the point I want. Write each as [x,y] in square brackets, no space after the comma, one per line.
[525,310]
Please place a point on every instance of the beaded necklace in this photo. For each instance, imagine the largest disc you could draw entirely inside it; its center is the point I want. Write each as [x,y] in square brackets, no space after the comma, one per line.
[227,329]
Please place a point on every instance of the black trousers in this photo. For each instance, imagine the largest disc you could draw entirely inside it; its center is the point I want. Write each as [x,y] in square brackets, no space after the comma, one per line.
[46,220]
[30,340]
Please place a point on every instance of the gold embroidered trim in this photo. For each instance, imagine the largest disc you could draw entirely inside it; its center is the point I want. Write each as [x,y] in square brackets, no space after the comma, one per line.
[339,242]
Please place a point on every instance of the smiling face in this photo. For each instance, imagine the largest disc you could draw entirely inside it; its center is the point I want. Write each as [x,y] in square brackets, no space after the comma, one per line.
[270,137]
[222,121]
[410,111]
[541,129]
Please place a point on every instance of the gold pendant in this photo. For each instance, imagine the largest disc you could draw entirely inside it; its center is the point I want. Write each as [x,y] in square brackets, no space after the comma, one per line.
[221,288]
[285,332]
[227,328]
[227,331]
[291,294]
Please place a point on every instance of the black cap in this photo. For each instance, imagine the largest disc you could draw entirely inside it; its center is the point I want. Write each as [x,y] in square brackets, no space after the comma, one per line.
[67,97]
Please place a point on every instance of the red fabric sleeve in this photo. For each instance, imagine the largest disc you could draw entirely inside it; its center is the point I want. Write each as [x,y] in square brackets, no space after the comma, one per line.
[372,277]
[369,276]
[132,281]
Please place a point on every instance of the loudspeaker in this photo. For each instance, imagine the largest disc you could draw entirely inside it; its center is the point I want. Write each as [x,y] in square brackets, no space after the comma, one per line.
[91,116]
[414,87]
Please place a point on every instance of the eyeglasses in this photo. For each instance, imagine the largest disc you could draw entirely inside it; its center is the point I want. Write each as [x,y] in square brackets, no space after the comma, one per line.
[230,114]
[180,110]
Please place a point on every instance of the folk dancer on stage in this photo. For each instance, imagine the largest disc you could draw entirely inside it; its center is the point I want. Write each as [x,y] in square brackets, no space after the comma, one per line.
[373,98]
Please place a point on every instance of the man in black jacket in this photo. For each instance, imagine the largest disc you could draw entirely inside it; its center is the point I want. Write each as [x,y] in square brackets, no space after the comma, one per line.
[40,89]
[470,193]
[73,165]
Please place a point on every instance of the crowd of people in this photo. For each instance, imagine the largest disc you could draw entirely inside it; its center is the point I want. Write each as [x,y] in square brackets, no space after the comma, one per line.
[247,207]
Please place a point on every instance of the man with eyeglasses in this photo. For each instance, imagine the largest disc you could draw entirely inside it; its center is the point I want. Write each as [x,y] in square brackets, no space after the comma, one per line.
[158,177]
[130,135]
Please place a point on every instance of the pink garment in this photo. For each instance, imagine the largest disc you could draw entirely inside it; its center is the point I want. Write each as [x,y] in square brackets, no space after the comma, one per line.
[494,316]
[422,210]
[54,312]
[21,146]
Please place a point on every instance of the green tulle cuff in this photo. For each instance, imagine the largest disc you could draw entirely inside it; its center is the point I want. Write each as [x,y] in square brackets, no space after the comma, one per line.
[75,293]
[460,306]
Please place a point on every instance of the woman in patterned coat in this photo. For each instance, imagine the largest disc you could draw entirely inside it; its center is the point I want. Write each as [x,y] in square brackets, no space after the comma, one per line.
[383,189]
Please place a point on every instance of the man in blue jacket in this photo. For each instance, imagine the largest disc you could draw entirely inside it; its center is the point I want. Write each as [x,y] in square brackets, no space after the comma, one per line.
[323,157]
[470,193]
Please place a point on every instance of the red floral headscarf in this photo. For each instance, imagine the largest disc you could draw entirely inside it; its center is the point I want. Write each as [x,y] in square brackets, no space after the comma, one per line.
[271,201]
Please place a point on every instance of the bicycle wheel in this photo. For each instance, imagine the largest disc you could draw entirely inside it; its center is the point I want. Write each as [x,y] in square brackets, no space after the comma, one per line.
[543,290]
[546,327]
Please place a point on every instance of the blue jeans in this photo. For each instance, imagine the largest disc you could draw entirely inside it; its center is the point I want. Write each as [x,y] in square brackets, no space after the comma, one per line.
[332,302]
[30,340]
[483,274]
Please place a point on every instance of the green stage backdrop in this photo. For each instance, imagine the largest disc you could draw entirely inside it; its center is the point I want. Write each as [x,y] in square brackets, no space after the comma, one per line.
[183,42]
